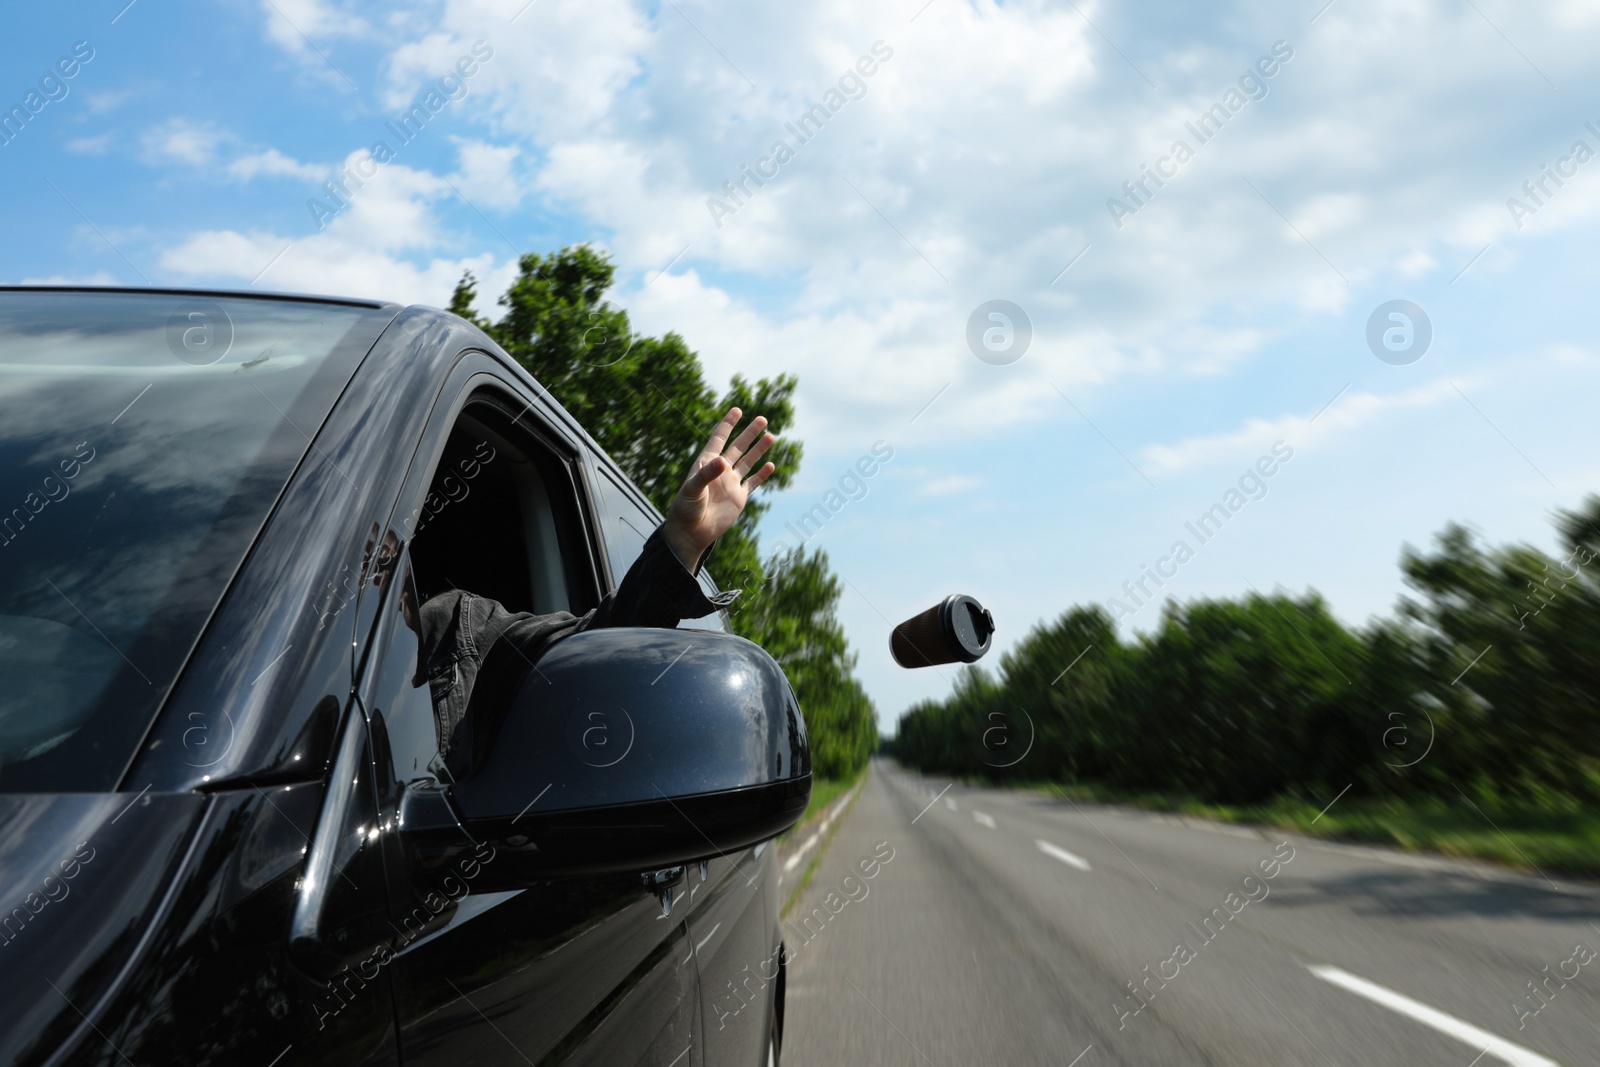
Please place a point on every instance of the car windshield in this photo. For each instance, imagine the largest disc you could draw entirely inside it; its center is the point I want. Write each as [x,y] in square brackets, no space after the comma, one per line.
[143,440]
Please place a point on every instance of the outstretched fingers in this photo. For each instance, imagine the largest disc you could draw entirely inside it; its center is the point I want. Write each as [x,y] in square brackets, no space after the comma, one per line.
[758,477]
[736,450]
[748,459]
[719,437]
[739,456]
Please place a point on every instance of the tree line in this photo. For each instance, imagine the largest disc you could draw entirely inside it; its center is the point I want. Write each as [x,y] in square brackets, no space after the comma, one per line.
[645,400]
[1485,684]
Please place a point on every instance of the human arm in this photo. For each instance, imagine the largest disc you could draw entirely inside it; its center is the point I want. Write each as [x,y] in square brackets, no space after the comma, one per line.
[477,652]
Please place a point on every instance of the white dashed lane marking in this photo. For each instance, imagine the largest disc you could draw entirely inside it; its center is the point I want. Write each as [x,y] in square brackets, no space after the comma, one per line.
[1465,1032]
[982,820]
[1071,859]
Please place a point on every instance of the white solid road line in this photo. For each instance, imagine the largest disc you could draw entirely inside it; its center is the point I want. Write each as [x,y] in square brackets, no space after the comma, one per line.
[794,861]
[1479,1039]
[982,820]
[1069,858]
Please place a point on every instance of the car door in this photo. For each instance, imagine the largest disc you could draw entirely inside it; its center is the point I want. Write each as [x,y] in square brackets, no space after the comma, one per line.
[730,920]
[571,971]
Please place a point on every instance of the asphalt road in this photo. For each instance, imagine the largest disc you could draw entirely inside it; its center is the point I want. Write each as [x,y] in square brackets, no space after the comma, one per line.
[977,944]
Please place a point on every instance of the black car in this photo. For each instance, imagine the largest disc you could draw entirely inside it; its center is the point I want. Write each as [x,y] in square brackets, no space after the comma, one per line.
[227,835]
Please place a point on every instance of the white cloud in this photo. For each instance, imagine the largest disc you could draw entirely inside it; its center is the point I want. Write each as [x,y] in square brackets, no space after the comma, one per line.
[183,141]
[202,147]
[949,485]
[1330,214]
[1349,411]
[100,103]
[488,175]
[1576,14]
[91,146]
[1416,263]
[926,148]
[1213,351]
[326,265]
[554,72]
[1574,356]
[383,246]
[275,164]
[99,277]
[988,143]
[296,24]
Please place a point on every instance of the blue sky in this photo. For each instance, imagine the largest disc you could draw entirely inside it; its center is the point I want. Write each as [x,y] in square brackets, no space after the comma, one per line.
[975,162]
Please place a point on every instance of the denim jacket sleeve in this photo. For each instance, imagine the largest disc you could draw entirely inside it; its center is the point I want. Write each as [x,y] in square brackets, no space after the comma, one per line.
[475,653]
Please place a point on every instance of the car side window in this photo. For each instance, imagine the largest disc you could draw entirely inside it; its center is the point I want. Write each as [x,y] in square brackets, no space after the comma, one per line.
[625,526]
[500,519]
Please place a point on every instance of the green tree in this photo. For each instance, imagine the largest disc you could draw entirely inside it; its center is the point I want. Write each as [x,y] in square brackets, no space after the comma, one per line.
[1515,634]
[1062,678]
[795,621]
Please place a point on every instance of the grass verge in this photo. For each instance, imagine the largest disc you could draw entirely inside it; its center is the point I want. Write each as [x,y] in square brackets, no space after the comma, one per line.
[1537,839]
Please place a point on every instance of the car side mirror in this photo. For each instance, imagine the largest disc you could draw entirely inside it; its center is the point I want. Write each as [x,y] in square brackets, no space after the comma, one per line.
[626,749]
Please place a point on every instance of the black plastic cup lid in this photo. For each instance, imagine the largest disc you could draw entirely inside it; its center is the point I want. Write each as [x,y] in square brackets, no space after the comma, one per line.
[967,625]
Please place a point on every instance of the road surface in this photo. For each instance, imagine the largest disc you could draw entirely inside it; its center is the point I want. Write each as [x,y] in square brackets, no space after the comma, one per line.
[1006,928]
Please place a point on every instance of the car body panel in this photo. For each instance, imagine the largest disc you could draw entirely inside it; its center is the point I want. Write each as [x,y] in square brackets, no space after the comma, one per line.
[733,952]
[212,984]
[189,961]
[82,877]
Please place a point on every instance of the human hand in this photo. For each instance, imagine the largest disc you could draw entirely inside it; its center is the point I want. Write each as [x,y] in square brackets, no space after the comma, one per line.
[717,488]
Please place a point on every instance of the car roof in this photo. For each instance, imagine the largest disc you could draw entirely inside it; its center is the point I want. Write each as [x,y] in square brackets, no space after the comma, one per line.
[244,294]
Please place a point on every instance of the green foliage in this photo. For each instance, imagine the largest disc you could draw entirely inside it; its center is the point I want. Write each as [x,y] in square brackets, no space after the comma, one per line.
[1529,709]
[1486,687]
[793,618]
[646,402]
